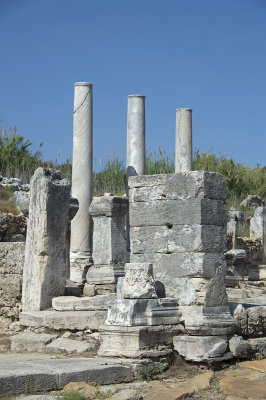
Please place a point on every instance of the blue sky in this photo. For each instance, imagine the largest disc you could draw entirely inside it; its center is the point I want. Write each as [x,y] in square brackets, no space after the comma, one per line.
[209,55]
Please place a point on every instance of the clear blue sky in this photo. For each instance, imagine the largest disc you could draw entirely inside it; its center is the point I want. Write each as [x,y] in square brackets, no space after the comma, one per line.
[209,55]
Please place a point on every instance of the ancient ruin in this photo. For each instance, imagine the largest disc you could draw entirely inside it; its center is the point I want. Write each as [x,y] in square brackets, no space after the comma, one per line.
[141,276]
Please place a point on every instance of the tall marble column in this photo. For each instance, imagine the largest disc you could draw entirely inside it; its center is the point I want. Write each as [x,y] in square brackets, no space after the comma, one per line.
[135,135]
[82,170]
[135,164]
[183,140]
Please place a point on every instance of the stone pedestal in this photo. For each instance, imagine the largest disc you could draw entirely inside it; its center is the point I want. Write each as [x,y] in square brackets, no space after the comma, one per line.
[45,270]
[137,305]
[109,243]
[183,141]
[82,169]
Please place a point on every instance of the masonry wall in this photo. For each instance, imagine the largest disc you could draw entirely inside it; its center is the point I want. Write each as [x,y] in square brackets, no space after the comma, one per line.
[178,223]
[11,266]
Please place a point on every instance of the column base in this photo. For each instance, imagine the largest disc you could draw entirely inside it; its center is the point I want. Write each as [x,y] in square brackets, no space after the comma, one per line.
[104,274]
[79,265]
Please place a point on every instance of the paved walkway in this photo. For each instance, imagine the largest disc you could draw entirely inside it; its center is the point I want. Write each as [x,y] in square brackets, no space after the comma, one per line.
[24,373]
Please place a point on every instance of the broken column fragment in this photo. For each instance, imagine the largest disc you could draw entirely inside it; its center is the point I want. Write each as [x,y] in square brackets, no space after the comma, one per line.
[44,273]
[109,243]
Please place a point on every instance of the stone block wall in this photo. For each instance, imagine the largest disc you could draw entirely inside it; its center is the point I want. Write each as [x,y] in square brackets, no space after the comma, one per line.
[11,267]
[178,223]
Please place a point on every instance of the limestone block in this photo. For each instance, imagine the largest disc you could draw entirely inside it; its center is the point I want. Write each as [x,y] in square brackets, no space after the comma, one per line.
[201,348]
[89,290]
[104,274]
[131,312]
[44,273]
[69,346]
[192,184]
[109,244]
[186,264]
[256,318]
[137,341]
[127,394]
[138,281]
[22,202]
[177,238]
[29,341]
[192,278]
[256,223]
[258,345]
[109,206]
[178,212]
[239,347]
[214,321]
[68,303]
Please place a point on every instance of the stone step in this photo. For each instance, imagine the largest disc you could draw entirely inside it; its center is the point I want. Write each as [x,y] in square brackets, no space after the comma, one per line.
[41,375]
[70,303]
[64,320]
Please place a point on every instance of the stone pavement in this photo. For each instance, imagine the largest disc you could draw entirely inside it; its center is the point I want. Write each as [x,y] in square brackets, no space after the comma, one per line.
[21,373]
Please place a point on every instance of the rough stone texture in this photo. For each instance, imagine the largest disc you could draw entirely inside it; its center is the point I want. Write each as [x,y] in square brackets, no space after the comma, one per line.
[44,273]
[178,223]
[104,274]
[29,341]
[256,224]
[239,347]
[174,391]
[127,394]
[22,202]
[178,212]
[12,227]
[178,239]
[201,348]
[68,303]
[137,341]
[252,201]
[201,320]
[69,346]
[193,184]
[131,312]
[257,273]
[11,266]
[251,321]
[46,375]
[64,320]
[138,282]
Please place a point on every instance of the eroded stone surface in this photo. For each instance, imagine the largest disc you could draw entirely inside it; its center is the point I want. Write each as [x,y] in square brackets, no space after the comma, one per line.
[46,240]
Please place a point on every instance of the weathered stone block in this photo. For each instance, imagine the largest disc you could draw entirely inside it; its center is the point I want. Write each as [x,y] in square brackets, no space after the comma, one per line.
[109,244]
[132,312]
[201,348]
[29,341]
[138,281]
[137,341]
[68,303]
[11,266]
[104,274]
[178,212]
[44,274]
[109,206]
[214,321]
[192,184]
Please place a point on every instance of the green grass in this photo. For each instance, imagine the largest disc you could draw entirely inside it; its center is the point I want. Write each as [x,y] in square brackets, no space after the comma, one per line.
[7,204]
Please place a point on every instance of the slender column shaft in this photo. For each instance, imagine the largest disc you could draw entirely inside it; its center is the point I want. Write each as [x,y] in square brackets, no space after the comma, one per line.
[136,135]
[183,140]
[81,225]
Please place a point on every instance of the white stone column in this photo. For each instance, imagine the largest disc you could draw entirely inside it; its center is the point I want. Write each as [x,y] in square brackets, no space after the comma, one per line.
[183,140]
[135,135]
[82,170]
[135,164]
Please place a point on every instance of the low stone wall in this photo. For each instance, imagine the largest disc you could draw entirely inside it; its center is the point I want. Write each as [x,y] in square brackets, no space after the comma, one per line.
[11,266]
[12,227]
